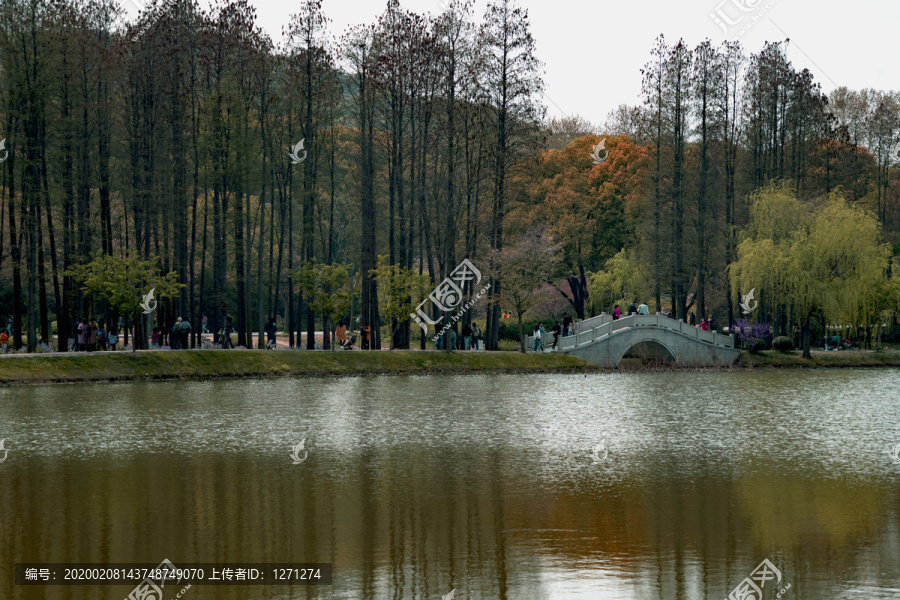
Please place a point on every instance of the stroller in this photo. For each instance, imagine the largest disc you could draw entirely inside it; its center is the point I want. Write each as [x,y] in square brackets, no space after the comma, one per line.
[348,344]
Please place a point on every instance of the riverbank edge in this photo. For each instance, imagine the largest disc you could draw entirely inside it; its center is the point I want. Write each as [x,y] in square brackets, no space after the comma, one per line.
[773,359]
[168,365]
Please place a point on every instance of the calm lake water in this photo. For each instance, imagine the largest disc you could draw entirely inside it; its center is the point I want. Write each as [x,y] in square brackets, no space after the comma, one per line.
[493,485]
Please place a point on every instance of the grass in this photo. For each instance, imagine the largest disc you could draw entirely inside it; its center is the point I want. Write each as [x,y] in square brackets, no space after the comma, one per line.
[212,364]
[820,358]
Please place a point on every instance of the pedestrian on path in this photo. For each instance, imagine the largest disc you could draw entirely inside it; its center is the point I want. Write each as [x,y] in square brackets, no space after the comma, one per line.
[184,334]
[538,338]
[271,331]
[92,335]
[175,342]
[226,333]
[340,333]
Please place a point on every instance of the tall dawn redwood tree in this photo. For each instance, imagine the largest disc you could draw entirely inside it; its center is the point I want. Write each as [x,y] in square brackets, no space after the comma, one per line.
[311,74]
[360,56]
[512,80]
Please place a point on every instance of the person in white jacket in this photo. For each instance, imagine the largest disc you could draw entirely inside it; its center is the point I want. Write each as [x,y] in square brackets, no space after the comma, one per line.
[538,345]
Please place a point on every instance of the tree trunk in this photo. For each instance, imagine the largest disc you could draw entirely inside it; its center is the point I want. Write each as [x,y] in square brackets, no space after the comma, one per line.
[804,336]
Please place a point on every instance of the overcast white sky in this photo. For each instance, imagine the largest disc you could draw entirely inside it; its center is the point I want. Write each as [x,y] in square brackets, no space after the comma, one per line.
[593,50]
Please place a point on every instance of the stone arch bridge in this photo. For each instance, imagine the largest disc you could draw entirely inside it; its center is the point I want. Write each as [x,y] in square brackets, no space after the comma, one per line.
[605,342]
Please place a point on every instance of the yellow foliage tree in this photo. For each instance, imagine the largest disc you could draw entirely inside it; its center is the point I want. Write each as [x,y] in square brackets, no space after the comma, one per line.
[827,258]
[621,280]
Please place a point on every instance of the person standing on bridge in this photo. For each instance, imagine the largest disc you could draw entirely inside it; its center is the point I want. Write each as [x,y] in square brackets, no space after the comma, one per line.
[704,325]
[556,330]
[617,312]
[566,324]
[632,308]
[643,309]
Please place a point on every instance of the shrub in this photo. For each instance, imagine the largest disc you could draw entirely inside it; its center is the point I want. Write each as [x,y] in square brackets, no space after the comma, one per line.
[756,346]
[509,328]
[752,335]
[783,344]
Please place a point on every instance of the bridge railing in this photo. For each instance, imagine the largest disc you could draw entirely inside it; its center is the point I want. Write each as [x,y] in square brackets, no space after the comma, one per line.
[588,324]
[604,326]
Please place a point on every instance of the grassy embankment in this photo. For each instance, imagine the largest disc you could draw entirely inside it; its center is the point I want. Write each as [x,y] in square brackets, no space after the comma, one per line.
[841,358]
[211,364]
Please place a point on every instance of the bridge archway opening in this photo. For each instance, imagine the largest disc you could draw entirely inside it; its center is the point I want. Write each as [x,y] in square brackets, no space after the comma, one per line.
[648,353]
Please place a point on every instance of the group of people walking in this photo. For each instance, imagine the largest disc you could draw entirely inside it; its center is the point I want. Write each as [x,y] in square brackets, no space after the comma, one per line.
[561,329]
[180,334]
[92,334]
[706,323]
[469,340]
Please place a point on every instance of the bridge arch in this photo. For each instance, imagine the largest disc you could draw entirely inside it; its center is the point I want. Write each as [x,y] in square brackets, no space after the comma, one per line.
[649,350]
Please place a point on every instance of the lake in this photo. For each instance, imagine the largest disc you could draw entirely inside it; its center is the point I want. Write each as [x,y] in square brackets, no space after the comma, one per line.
[668,485]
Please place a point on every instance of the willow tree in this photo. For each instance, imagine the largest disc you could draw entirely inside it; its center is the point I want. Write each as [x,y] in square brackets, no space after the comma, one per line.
[763,254]
[845,256]
[825,261]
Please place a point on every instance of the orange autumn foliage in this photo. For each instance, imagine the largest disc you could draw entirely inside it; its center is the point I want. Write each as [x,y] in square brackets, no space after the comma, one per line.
[588,208]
